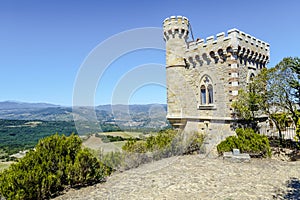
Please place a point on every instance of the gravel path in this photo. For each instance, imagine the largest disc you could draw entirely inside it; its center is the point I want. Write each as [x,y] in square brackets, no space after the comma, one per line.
[193,177]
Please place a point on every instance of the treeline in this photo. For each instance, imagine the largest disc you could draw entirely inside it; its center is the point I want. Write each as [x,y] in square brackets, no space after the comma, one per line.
[18,135]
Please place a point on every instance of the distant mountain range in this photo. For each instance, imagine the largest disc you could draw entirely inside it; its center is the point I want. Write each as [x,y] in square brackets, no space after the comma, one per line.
[135,116]
[5,105]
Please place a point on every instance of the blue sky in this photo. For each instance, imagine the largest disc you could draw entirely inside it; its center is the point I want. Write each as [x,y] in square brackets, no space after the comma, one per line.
[44,43]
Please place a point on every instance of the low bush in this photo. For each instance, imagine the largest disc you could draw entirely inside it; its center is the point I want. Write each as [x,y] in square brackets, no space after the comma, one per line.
[112,159]
[133,145]
[159,141]
[247,141]
[195,142]
[56,162]
[161,145]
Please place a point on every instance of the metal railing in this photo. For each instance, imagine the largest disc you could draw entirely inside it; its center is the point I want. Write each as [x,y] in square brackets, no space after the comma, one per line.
[288,133]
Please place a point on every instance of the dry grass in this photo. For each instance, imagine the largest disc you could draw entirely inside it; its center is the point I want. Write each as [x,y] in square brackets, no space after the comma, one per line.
[123,134]
[96,143]
[4,165]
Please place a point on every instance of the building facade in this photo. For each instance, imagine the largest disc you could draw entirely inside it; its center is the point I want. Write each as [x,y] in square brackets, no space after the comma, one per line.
[204,76]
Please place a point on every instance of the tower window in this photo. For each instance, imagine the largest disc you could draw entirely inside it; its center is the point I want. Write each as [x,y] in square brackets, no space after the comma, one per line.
[203,94]
[206,91]
[210,94]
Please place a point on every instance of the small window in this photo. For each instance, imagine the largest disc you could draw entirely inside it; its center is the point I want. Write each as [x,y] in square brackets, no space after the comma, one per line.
[210,94]
[203,94]
[206,91]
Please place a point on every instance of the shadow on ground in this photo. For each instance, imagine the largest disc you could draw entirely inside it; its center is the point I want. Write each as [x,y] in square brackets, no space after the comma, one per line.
[293,190]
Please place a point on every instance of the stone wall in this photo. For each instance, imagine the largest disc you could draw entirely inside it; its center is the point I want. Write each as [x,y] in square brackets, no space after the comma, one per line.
[224,63]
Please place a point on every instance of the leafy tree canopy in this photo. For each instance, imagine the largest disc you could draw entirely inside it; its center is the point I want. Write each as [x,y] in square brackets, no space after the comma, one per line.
[275,92]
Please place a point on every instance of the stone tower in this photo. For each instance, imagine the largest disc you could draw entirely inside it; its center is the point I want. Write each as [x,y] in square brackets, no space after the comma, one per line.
[204,76]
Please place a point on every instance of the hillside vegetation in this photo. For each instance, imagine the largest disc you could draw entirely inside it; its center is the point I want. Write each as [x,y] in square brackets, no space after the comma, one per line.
[150,117]
[18,135]
[56,163]
[166,143]
[23,124]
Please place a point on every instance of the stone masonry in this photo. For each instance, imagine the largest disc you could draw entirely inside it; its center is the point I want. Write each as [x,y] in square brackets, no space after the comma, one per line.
[204,76]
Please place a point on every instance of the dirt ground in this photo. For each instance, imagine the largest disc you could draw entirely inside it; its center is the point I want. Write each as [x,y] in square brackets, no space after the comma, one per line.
[193,177]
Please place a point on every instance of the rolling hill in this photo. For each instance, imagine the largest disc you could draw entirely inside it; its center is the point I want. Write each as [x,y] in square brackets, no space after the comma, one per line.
[149,116]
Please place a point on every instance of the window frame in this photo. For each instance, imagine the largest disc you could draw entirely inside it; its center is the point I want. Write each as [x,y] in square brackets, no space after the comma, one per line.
[206,91]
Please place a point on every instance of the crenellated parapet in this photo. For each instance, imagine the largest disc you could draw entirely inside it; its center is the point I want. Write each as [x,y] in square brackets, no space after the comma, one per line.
[176,27]
[204,77]
[233,45]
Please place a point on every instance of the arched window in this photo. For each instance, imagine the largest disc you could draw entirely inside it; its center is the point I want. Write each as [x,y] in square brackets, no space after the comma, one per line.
[206,91]
[210,94]
[203,94]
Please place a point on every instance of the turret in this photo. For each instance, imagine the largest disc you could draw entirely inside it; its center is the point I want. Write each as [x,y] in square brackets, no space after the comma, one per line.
[176,31]
[205,75]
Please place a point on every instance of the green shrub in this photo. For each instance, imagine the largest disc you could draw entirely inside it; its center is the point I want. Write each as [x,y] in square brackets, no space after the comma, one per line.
[164,144]
[120,161]
[135,146]
[56,162]
[247,141]
[161,140]
[195,141]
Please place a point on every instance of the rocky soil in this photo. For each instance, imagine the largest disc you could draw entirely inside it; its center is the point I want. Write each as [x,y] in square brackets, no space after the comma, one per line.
[194,177]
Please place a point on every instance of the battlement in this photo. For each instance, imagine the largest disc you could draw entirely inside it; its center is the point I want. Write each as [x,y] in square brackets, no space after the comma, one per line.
[176,26]
[234,42]
[232,35]
[204,76]
[177,20]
